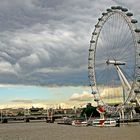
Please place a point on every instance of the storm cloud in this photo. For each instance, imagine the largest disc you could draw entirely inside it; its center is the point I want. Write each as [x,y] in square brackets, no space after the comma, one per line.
[45,42]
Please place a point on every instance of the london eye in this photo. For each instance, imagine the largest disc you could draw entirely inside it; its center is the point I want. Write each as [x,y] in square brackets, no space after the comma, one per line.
[114,59]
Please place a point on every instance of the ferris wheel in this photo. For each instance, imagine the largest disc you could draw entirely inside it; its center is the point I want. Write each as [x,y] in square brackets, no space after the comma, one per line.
[114,59]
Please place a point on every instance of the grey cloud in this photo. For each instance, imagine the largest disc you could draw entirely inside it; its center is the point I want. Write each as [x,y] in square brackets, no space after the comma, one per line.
[21,101]
[46,41]
[28,101]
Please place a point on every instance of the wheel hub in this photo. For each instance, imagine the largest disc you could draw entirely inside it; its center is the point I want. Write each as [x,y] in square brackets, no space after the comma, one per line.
[115,62]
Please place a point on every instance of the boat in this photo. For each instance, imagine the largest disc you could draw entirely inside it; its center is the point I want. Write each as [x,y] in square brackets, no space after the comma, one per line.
[109,122]
[79,122]
[64,120]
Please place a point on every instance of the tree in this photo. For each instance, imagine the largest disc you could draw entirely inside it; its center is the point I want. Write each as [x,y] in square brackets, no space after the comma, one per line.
[90,111]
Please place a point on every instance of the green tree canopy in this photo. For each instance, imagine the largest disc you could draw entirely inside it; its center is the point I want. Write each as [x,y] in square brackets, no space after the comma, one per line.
[90,111]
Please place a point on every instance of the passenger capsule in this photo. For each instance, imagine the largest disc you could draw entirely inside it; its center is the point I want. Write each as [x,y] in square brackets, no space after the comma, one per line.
[89,58]
[96,100]
[137,90]
[134,21]
[94,92]
[97,26]
[100,19]
[92,41]
[92,85]
[129,14]
[90,50]
[124,9]
[104,14]
[94,33]
[133,100]
[113,7]
[108,10]
[137,30]
[90,67]
[119,7]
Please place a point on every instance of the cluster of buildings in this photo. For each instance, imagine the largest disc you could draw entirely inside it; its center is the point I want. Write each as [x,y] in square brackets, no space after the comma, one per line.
[10,112]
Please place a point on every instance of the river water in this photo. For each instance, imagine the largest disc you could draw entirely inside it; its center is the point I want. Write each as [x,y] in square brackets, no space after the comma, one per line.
[46,131]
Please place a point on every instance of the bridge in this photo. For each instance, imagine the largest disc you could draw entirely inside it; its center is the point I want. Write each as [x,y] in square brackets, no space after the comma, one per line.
[27,118]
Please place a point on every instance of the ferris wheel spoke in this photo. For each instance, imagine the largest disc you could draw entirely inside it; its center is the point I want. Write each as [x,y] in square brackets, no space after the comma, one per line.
[99,65]
[123,36]
[126,55]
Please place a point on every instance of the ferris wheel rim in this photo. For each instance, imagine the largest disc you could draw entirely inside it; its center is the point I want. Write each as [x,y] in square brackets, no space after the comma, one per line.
[98,27]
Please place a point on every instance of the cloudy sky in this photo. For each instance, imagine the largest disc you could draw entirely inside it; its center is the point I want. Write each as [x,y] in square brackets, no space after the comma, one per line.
[44,47]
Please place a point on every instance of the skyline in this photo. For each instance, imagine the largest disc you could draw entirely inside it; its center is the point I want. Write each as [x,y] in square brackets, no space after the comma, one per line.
[28,96]
[44,49]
